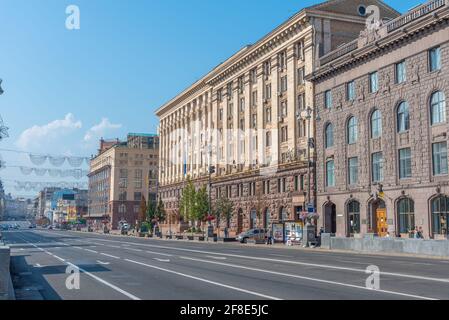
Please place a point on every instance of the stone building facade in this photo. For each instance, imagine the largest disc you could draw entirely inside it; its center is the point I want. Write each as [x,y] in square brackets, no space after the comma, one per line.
[248,119]
[382,137]
[121,175]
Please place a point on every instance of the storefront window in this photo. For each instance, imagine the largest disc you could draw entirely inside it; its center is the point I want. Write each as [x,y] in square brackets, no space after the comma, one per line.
[440,214]
[406,212]
[354,217]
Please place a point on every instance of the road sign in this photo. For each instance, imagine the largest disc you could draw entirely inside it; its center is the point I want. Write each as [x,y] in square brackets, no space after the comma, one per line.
[310,208]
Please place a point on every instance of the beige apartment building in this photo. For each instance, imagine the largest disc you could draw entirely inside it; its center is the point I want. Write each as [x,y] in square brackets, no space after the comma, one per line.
[121,175]
[382,162]
[252,118]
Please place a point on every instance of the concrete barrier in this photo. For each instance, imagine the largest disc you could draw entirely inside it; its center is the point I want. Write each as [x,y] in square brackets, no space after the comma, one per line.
[6,287]
[369,244]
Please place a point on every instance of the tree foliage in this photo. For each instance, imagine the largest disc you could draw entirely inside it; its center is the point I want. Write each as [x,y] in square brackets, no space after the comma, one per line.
[194,205]
[223,209]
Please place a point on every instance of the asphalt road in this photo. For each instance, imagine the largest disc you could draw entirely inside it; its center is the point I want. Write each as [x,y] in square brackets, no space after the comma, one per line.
[118,268]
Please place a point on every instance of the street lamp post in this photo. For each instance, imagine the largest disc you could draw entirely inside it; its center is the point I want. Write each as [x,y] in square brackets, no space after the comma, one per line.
[307,116]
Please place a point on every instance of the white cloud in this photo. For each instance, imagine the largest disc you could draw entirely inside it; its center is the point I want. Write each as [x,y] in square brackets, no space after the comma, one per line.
[39,135]
[101,129]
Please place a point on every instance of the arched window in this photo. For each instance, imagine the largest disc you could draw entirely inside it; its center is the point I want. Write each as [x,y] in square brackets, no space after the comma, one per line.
[406,215]
[438,108]
[329,136]
[440,215]
[354,217]
[376,124]
[352,130]
[403,117]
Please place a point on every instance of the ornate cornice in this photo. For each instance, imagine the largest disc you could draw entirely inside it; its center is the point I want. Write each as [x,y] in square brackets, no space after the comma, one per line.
[375,41]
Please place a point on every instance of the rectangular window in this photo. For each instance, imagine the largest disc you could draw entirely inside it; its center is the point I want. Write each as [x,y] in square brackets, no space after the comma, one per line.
[353,172]
[434,59]
[374,82]
[350,91]
[267,68]
[301,102]
[242,105]
[252,76]
[229,89]
[267,93]
[300,50]
[405,163]
[378,167]
[219,95]
[284,84]
[284,110]
[439,159]
[296,183]
[328,99]
[282,60]
[268,139]
[330,173]
[401,73]
[268,115]
[137,196]
[254,99]
[301,74]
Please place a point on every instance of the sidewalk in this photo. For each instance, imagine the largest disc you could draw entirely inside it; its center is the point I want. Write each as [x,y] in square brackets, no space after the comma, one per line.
[279,246]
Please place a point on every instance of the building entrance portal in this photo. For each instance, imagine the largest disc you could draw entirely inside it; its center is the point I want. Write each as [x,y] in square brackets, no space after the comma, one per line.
[330,218]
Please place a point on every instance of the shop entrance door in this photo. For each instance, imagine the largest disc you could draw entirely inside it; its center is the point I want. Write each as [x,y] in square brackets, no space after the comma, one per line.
[382,224]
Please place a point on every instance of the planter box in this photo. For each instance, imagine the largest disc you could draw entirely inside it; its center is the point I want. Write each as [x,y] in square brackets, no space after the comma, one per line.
[228,240]
[168,237]
[191,238]
[201,238]
[179,237]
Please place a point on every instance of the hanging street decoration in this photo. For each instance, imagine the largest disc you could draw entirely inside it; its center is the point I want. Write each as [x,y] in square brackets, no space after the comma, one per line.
[58,161]
[54,173]
[38,186]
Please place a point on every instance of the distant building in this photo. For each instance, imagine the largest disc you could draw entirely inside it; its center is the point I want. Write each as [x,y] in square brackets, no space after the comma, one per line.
[68,205]
[15,208]
[121,175]
[44,201]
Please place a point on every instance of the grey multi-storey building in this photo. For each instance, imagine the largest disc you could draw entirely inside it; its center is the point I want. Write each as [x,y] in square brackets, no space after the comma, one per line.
[382,161]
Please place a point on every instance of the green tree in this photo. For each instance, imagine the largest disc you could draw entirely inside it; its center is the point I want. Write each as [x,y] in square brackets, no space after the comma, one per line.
[160,213]
[201,207]
[187,203]
[224,209]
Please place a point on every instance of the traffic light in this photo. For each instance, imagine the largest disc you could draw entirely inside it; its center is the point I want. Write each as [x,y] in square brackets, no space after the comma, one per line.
[212,170]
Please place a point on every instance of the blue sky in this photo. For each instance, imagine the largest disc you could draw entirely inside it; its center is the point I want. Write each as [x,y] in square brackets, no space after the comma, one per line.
[66,89]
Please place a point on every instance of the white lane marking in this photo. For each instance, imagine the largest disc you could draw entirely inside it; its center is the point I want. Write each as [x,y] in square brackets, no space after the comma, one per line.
[103,263]
[110,285]
[162,260]
[323,266]
[109,255]
[308,278]
[217,258]
[160,254]
[205,280]
[92,251]
[131,249]
[79,248]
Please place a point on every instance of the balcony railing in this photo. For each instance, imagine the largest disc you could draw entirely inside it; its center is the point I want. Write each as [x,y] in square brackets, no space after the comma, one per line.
[339,52]
[415,14]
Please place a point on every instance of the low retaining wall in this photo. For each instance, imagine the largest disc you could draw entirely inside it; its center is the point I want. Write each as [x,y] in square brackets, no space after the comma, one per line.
[6,288]
[435,248]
